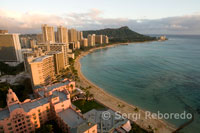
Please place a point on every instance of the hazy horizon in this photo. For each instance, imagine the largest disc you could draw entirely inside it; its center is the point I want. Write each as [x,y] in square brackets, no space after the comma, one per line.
[155,17]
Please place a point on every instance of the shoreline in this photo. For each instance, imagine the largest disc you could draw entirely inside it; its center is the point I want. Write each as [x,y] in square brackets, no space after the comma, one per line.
[113,102]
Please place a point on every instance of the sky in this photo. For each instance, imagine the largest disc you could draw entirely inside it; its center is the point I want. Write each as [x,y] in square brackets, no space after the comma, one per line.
[144,16]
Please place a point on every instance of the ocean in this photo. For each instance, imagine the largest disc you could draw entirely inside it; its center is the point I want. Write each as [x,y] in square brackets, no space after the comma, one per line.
[155,76]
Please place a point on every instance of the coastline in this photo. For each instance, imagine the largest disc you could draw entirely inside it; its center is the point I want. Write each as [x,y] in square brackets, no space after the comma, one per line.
[113,102]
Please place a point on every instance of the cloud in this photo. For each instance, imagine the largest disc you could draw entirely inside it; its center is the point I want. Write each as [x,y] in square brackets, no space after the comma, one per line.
[31,22]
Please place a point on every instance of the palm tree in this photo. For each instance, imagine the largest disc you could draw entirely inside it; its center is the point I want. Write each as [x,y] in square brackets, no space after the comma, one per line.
[91,96]
[87,94]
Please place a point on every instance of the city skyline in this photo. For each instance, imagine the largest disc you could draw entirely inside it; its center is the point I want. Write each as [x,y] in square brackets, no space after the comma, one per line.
[156,17]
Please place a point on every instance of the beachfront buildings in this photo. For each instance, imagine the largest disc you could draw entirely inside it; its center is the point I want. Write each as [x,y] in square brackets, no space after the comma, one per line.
[10,48]
[72,35]
[56,47]
[42,69]
[53,103]
[91,40]
[48,33]
[62,35]
[58,58]
[84,42]
[98,39]
[105,39]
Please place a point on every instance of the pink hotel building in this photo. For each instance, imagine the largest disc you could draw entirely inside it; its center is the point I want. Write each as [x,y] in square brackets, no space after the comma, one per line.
[53,102]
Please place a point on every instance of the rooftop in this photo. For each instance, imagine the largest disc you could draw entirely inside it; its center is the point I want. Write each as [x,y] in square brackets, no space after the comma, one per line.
[62,96]
[14,106]
[31,105]
[71,118]
[4,114]
[39,59]
[57,85]
[95,116]
[82,127]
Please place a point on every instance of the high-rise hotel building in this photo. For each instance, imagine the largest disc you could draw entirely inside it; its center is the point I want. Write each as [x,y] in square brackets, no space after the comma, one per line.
[48,33]
[62,35]
[42,69]
[72,35]
[99,39]
[10,48]
[91,40]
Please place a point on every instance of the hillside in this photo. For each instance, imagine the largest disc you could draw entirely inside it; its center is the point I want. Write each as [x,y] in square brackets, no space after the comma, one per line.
[123,34]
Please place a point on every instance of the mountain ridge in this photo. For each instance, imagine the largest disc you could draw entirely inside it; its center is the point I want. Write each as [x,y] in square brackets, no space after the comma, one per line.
[122,34]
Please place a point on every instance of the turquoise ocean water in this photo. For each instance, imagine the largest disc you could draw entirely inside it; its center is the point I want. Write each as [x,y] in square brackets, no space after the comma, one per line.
[155,76]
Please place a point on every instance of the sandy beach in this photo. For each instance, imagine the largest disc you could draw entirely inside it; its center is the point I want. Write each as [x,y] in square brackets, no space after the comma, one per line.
[116,104]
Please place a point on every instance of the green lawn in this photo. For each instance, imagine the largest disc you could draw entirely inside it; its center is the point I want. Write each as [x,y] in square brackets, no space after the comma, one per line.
[86,106]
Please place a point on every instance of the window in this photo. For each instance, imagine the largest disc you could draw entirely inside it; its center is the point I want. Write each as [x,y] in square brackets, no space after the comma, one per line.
[35,122]
[29,124]
[38,110]
[33,114]
[27,117]
[36,125]
[34,118]
[39,114]
[9,124]
[29,128]
[28,120]
[10,128]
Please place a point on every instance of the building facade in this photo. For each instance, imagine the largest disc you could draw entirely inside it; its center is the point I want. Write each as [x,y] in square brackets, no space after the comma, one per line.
[41,69]
[105,39]
[72,35]
[48,33]
[53,102]
[99,39]
[10,48]
[62,34]
[84,42]
[56,47]
[59,63]
[91,40]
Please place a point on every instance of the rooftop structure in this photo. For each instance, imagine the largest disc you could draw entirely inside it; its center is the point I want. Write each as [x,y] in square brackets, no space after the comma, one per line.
[10,48]
[31,114]
[41,69]
[108,125]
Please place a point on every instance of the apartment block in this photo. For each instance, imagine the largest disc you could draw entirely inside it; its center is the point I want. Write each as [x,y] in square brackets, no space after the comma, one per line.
[84,42]
[60,47]
[91,40]
[10,48]
[79,35]
[48,33]
[105,39]
[62,34]
[59,63]
[72,35]
[99,39]
[41,69]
